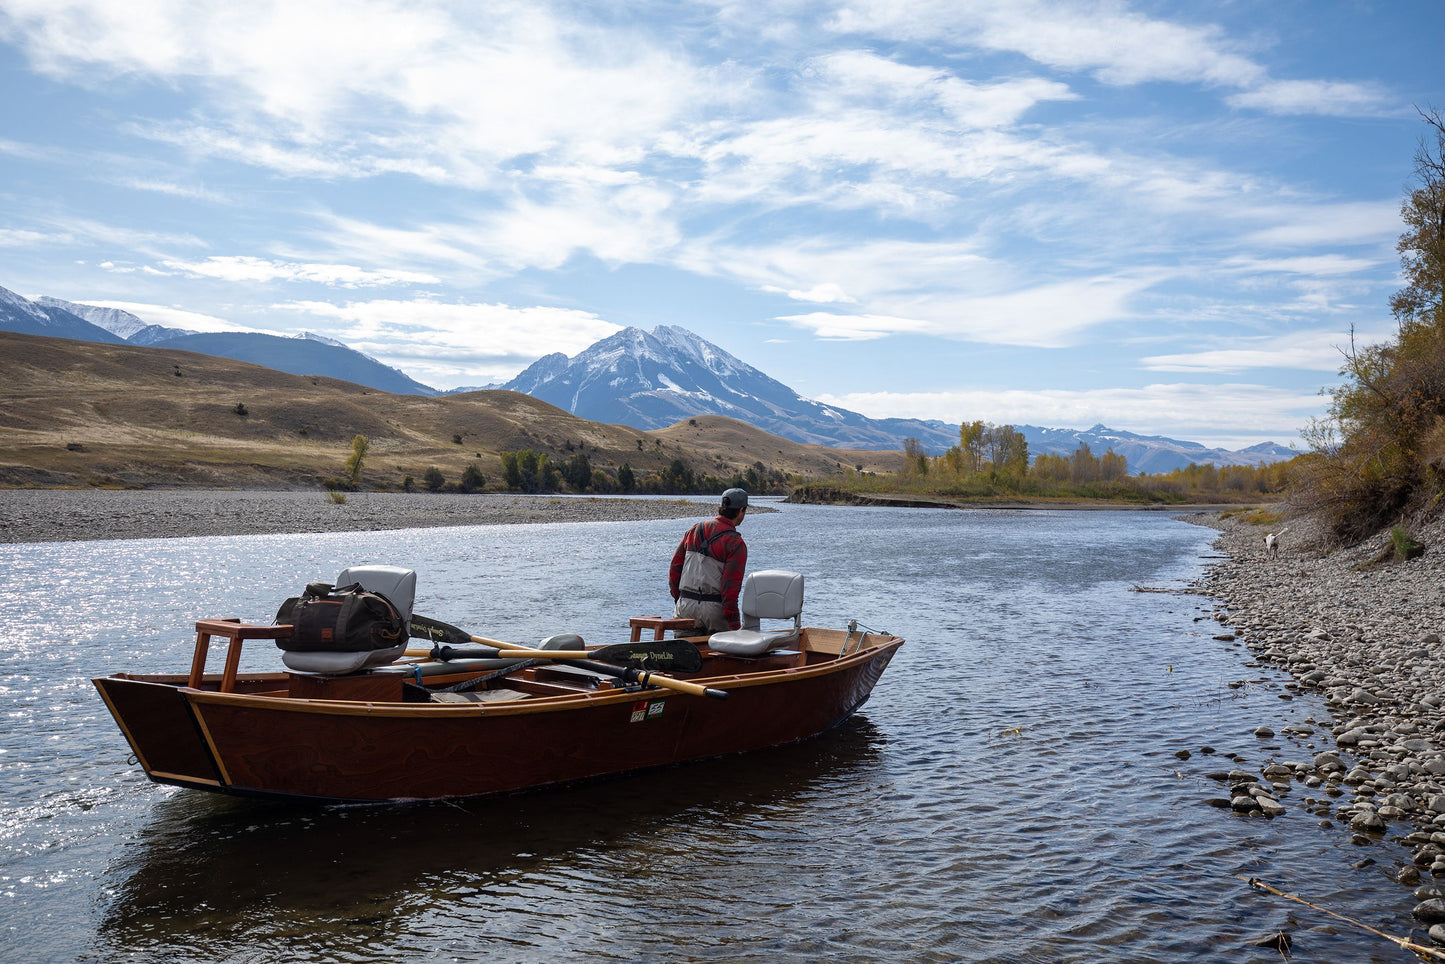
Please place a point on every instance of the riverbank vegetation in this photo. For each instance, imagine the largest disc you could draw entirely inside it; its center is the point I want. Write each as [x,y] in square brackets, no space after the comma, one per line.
[1378,456]
[991,463]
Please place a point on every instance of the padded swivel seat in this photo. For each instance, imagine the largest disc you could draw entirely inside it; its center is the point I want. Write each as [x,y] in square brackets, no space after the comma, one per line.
[399,587]
[768,594]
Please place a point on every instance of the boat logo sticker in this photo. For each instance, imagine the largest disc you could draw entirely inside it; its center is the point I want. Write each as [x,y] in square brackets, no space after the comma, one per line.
[646,709]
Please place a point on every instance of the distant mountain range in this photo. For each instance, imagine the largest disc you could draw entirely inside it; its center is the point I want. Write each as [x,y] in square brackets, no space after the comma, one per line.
[646,380]
[651,380]
[303,354]
[1147,453]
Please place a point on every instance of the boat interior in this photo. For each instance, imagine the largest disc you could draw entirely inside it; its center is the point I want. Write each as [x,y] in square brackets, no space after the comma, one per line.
[402,675]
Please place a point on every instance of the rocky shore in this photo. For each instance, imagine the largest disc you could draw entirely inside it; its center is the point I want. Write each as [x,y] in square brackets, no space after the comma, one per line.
[1363,630]
[60,515]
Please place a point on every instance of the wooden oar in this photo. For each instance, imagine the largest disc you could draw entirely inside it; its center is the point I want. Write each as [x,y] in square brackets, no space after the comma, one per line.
[427,628]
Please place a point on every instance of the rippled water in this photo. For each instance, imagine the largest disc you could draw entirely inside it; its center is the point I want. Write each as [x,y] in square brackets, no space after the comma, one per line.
[1010,793]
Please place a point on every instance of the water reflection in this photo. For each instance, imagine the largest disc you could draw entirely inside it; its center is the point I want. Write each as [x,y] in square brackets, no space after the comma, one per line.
[339,882]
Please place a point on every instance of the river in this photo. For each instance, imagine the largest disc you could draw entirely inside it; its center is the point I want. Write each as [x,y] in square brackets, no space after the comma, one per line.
[1016,790]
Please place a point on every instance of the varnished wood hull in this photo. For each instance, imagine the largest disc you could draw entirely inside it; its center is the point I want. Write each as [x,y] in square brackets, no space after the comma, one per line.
[259,741]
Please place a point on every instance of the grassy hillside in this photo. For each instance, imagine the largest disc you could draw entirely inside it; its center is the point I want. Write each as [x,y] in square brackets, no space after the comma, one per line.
[82,414]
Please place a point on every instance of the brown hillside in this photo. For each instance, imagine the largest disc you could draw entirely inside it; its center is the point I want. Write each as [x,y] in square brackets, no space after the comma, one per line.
[81,414]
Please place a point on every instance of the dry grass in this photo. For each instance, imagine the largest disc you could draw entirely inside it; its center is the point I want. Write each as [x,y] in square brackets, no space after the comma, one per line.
[83,414]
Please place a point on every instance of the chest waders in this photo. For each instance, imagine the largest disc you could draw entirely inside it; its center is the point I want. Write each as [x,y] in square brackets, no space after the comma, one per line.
[699,590]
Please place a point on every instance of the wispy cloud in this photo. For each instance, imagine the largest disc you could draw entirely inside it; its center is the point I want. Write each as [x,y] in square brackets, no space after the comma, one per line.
[448,344]
[250,270]
[1114,44]
[1321,351]
[1255,412]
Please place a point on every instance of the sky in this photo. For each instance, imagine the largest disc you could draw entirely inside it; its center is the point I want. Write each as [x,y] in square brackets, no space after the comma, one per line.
[1169,218]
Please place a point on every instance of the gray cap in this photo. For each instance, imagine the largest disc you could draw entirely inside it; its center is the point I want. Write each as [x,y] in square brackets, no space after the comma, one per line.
[735,499]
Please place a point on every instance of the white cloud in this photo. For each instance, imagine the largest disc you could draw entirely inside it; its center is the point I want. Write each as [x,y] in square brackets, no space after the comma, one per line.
[189,191]
[1331,98]
[1116,45]
[1253,413]
[1307,350]
[1312,225]
[251,270]
[447,345]
[348,87]
[833,327]
[171,317]
[19,238]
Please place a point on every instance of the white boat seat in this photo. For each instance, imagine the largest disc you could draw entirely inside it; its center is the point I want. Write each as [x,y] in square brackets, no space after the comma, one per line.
[768,594]
[399,587]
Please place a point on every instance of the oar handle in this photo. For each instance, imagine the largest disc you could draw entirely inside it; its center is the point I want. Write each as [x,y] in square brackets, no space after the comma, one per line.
[681,685]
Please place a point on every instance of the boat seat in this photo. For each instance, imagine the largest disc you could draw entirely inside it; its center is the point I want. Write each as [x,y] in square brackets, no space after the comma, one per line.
[768,594]
[399,587]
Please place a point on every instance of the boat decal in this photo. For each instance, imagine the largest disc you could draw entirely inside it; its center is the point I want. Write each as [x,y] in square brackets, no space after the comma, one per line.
[644,710]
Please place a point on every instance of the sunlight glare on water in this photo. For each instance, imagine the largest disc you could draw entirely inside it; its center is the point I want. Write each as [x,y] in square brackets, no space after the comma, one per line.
[1011,792]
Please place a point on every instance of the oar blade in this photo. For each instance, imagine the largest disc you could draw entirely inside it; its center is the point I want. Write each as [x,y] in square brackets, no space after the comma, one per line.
[424,627]
[663,655]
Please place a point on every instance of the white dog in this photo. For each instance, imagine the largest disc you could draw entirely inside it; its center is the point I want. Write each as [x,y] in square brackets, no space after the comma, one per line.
[1271,543]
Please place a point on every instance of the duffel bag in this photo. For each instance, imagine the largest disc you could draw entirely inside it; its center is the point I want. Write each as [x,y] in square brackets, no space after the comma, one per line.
[345,619]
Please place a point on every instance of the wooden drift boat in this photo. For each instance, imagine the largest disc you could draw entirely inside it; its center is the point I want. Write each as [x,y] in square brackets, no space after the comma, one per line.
[460,721]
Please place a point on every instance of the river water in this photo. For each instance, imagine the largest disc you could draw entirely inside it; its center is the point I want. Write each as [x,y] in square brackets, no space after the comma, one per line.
[1011,792]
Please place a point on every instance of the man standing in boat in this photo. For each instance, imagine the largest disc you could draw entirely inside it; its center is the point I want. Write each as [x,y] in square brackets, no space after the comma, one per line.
[707,568]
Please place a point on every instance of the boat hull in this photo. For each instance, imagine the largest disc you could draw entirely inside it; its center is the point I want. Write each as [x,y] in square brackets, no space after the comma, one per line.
[258,742]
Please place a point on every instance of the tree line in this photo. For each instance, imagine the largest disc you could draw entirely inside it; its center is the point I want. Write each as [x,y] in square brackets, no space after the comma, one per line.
[992,461]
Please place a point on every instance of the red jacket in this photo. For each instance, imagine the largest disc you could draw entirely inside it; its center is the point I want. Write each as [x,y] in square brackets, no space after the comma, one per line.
[730,550]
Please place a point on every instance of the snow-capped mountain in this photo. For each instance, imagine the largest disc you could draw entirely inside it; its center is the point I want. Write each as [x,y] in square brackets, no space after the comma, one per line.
[654,379]
[303,354]
[20,314]
[117,321]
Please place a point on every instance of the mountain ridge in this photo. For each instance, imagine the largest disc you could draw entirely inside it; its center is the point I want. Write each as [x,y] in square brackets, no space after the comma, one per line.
[647,380]
[651,380]
[304,354]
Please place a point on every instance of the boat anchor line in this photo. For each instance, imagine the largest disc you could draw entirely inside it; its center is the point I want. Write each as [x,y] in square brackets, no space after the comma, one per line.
[853,628]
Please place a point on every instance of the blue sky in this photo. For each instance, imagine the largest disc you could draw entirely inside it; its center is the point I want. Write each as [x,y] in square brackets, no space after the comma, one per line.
[1163,217]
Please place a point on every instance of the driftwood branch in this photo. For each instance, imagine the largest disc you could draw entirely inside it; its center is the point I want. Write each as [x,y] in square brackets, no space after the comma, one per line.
[1432,953]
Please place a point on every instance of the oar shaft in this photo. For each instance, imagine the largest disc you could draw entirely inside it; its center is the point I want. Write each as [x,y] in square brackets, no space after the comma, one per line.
[648,679]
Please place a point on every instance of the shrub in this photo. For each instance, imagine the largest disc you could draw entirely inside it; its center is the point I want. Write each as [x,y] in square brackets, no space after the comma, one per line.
[1404,545]
[240,409]
[472,478]
[433,479]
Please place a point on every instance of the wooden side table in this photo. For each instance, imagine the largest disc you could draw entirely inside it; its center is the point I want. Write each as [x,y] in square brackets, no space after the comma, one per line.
[658,624]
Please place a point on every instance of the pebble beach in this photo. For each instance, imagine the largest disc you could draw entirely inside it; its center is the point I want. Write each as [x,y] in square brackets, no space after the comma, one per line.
[63,515]
[1365,634]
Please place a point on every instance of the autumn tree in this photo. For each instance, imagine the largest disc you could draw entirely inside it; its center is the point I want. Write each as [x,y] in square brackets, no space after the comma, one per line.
[1113,466]
[1380,452]
[1422,245]
[359,447]
[970,440]
[915,459]
[1006,448]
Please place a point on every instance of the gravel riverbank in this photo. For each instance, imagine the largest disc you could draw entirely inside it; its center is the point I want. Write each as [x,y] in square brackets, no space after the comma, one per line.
[62,515]
[1366,635]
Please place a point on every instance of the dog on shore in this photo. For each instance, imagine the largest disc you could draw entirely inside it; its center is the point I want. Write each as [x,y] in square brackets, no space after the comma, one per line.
[1271,543]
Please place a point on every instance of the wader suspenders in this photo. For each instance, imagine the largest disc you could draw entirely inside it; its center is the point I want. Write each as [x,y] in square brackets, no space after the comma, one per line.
[706,550]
